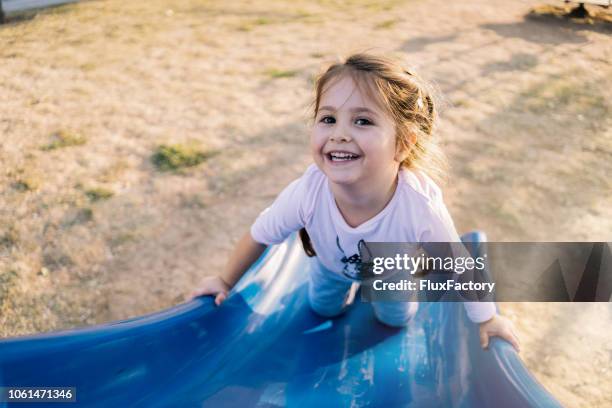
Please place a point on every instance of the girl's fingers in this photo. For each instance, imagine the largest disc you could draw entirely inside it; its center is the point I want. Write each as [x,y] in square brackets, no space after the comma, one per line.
[515,334]
[220,298]
[510,337]
[484,339]
[513,339]
[197,292]
[210,286]
[503,329]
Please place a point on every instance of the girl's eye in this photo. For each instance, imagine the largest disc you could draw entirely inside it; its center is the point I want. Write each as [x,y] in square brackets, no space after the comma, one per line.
[363,122]
[360,121]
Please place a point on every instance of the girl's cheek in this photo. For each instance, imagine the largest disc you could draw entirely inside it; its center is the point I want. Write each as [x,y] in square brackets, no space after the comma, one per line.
[319,136]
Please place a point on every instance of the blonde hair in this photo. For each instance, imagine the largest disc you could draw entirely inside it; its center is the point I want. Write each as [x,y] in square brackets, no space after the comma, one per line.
[404,96]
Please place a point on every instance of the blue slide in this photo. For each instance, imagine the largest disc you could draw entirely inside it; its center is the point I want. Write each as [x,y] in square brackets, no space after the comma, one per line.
[264,347]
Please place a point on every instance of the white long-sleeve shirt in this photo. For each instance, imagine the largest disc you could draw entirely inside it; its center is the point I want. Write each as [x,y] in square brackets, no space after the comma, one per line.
[416,213]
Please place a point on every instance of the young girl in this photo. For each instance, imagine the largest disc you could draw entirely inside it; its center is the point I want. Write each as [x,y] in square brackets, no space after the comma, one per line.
[370,141]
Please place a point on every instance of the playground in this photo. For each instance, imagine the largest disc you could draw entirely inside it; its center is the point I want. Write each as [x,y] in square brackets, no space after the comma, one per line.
[138,141]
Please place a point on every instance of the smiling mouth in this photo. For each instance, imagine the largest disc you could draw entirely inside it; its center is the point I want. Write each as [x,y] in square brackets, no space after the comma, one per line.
[342,156]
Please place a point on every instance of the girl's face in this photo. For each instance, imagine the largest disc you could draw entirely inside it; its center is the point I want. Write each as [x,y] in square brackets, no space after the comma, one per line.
[353,139]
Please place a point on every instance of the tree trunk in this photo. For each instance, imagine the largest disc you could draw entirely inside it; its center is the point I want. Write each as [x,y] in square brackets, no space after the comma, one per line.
[1,13]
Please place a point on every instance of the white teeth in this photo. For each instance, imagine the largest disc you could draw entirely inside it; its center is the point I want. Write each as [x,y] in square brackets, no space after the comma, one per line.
[342,156]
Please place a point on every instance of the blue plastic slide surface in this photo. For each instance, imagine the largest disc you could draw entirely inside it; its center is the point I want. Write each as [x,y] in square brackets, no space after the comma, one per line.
[264,347]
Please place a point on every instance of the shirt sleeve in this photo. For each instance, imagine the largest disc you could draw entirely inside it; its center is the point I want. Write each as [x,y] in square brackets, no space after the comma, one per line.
[440,228]
[284,216]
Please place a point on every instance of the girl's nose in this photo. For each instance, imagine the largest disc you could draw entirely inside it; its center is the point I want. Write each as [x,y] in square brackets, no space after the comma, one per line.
[340,134]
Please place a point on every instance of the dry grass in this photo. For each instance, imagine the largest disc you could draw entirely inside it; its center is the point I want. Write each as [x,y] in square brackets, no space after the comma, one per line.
[91,230]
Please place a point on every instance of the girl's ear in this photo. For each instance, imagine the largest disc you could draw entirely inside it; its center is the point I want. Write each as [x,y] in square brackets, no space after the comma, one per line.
[402,152]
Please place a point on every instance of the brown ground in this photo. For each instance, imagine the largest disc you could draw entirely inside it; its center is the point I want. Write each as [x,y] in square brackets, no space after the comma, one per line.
[94,232]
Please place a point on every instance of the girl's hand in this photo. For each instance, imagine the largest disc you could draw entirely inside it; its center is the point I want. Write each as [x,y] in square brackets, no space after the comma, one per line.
[212,285]
[501,327]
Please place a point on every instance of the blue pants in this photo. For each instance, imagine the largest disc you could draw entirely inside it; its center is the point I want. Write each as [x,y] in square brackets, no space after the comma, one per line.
[329,292]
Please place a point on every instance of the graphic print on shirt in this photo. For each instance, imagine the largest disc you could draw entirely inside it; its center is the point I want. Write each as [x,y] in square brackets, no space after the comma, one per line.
[354,265]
